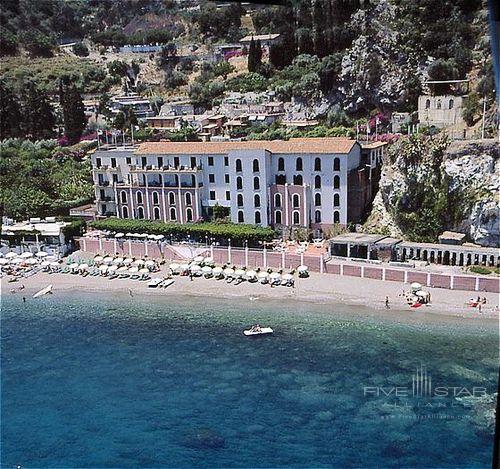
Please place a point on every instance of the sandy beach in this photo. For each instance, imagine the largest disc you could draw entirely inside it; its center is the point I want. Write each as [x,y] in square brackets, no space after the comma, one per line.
[318,288]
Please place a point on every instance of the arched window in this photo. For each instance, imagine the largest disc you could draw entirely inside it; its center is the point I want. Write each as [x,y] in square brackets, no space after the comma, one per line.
[317,182]
[189,214]
[256,200]
[336,216]
[317,164]
[171,198]
[156,198]
[336,164]
[239,183]
[255,166]
[336,182]
[336,200]
[138,196]
[438,105]
[125,212]
[451,104]
[296,217]
[241,218]
[317,216]
[277,200]
[428,104]
[317,199]
[257,218]
[173,214]
[123,197]
[156,213]
[297,180]
[298,164]
[189,200]
[296,201]
[280,179]
[140,213]
[238,165]
[281,164]
[256,183]
[239,200]
[277,217]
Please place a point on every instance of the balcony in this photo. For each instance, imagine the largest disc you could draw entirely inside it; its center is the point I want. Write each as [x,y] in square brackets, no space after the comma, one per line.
[164,169]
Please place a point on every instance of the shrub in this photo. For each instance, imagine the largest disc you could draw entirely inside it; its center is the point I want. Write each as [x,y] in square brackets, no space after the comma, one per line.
[479,269]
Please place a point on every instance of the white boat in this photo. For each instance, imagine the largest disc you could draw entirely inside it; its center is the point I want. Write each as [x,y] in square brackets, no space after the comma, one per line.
[258,331]
[154,282]
[43,291]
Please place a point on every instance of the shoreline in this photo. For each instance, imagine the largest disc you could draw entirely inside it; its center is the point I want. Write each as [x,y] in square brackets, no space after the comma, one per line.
[318,289]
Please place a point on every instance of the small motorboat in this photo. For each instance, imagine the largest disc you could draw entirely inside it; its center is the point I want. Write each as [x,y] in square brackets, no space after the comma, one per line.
[43,291]
[257,330]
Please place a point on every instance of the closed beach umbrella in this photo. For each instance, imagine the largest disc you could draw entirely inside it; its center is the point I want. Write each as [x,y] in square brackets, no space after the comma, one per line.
[228,271]
[133,270]
[10,255]
[41,254]
[26,254]
[128,261]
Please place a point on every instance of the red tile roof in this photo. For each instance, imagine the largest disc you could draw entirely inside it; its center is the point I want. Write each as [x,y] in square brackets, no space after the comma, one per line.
[294,145]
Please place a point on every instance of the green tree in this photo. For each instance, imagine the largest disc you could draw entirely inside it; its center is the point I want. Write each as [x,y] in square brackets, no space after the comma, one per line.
[81,49]
[252,57]
[10,112]
[38,115]
[73,111]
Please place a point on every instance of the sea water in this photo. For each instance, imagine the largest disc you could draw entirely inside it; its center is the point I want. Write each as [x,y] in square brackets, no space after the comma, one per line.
[119,381]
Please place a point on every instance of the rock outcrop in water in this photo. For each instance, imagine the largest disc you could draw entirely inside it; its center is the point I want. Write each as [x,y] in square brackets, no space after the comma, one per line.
[429,185]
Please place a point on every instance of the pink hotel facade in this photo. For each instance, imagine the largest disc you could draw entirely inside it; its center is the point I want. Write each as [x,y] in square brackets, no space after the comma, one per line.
[311,183]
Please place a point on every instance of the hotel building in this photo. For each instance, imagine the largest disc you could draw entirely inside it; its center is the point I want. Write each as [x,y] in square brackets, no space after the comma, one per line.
[301,183]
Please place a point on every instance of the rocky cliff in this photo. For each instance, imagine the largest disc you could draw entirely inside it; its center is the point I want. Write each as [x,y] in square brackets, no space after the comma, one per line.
[429,185]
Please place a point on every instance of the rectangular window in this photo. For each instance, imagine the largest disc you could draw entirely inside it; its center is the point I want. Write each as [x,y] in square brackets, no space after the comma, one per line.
[212,195]
[129,160]
[113,162]
[102,194]
[228,195]
[210,161]
[226,161]
[211,178]
[193,162]
[160,161]
[226,178]
[98,162]
[176,161]
[115,178]
[144,161]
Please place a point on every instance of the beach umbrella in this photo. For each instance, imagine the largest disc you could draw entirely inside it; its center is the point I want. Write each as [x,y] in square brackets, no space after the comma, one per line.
[74,266]
[173,266]
[122,269]
[274,275]
[159,237]
[133,270]
[119,235]
[144,271]
[195,268]
[302,268]
[422,293]
[55,264]
[108,259]
[45,263]
[26,254]
[228,271]
[251,274]
[138,262]
[217,270]
[150,263]
[41,254]
[239,273]
[128,261]
[4,261]
[112,268]
[10,255]
[31,261]
[103,268]
[198,259]
[206,269]
[98,258]
[118,260]
[184,267]
[415,286]
[17,260]
[83,267]
[143,235]
[287,277]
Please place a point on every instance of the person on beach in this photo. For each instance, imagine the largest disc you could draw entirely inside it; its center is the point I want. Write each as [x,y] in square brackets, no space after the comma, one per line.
[480,307]
[130,292]
[387,302]
[24,299]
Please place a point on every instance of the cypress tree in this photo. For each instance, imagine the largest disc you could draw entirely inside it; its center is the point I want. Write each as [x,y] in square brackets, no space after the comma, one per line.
[252,57]
[258,54]
[10,113]
[38,115]
[73,111]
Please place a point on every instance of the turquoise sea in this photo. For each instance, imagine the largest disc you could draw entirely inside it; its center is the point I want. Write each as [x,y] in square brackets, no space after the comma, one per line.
[114,381]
